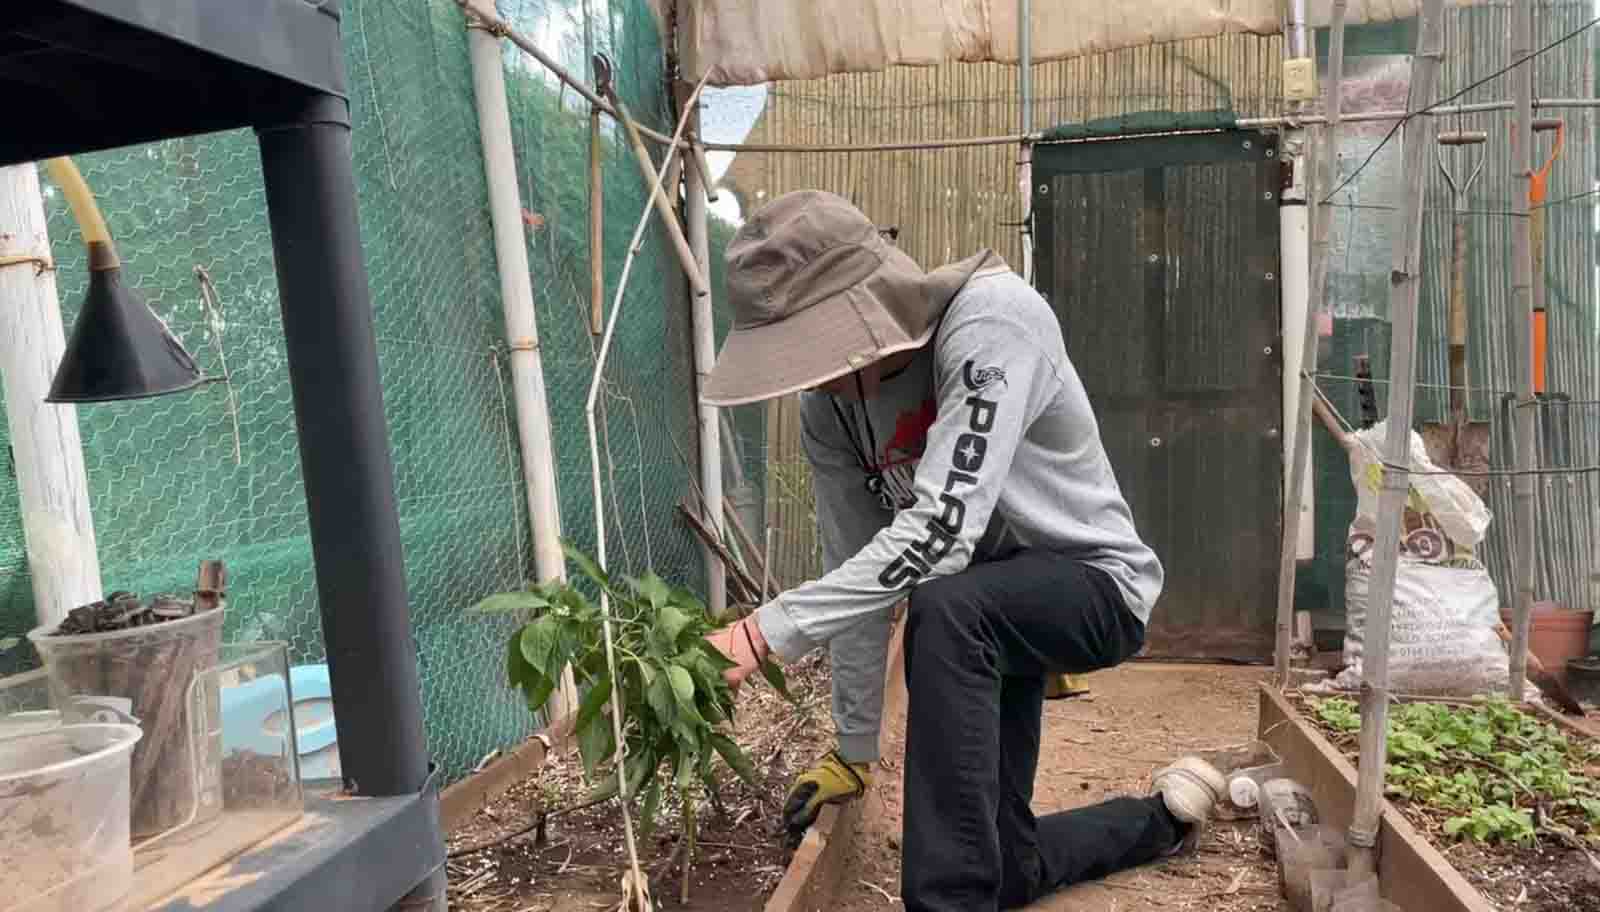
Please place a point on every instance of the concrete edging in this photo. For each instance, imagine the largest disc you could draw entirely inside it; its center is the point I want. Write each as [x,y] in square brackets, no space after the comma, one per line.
[817,869]
[1411,872]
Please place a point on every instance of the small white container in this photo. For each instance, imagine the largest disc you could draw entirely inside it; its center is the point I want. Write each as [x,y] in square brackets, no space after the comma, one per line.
[64,795]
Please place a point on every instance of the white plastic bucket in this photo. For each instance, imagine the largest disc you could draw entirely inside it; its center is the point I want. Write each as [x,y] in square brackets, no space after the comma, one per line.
[64,796]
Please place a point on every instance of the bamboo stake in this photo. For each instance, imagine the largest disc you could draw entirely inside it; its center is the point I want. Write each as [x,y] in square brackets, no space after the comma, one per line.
[664,207]
[746,544]
[597,235]
[1404,289]
[741,577]
[766,568]
[636,888]
[1331,424]
[1521,41]
[703,168]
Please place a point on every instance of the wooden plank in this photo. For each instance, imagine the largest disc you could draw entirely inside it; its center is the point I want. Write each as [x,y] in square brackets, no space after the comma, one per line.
[812,879]
[462,799]
[1411,872]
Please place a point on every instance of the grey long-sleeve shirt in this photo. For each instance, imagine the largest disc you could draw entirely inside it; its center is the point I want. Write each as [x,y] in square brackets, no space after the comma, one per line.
[987,442]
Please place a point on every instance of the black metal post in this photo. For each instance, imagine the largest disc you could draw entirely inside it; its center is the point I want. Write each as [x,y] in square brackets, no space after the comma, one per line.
[344,447]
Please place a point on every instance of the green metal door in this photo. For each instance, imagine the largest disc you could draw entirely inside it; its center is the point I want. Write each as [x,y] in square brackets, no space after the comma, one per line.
[1160,256]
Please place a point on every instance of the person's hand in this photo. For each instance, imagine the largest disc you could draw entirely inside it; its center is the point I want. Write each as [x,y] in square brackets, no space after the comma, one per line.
[744,646]
[831,780]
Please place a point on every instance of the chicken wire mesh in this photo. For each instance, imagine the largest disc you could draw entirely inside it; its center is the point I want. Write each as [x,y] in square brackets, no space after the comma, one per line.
[172,482]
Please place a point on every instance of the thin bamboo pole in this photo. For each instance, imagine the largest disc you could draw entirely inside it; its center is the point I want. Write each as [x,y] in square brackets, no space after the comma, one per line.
[1025,150]
[705,358]
[521,323]
[47,451]
[597,230]
[636,888]
[1521,46]
[1404,290]
[658,195]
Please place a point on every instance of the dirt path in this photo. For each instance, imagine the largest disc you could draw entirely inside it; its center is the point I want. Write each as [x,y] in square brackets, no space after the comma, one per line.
[1138,718]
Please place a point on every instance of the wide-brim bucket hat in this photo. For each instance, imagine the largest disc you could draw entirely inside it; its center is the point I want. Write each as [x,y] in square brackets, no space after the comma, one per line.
[817,292]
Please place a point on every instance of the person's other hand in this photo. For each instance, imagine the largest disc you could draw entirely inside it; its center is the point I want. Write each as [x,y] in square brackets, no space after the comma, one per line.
[831,780]
[744,646]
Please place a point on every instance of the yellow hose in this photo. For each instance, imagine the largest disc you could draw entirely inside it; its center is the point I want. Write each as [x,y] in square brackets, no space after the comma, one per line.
[90,222]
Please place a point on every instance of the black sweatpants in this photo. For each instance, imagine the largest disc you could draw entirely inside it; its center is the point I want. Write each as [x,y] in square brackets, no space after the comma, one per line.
[978,646]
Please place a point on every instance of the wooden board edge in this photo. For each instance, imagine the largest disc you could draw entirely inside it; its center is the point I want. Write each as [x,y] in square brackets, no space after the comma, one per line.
[460,800]
[815,873]
[1412,873]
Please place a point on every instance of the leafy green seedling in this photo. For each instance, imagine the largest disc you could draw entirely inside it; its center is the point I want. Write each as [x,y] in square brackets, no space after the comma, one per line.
[675,702]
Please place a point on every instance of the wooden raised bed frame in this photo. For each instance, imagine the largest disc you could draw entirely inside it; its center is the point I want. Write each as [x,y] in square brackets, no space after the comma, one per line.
[1411,872]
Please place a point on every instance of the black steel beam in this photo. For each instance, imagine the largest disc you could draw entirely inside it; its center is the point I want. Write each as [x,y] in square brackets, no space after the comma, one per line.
[84,75]
[344,448]
[293,40]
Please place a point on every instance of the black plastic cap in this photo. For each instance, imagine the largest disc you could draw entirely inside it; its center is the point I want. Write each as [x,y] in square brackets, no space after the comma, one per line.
[120,349]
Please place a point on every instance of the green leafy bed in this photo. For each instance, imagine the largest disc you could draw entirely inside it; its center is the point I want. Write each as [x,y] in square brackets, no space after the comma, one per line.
[1490,772]
[675,703]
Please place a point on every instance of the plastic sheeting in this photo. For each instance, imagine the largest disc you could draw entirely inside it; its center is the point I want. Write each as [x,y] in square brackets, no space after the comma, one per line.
[743,42]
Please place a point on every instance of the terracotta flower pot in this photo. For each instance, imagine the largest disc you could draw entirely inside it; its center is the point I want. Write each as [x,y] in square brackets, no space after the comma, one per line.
[1558,634]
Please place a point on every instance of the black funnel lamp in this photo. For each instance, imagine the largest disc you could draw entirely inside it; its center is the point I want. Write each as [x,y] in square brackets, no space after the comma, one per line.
[119,348]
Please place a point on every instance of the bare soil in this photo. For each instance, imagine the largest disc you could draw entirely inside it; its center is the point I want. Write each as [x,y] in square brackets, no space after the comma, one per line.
[578,864]
[1549,876]
[1136,719]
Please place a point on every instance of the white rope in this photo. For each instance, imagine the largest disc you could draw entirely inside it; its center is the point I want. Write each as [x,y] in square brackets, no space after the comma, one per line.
[635,888]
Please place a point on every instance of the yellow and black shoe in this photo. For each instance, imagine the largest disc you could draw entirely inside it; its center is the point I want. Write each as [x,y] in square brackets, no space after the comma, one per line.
[1062,686]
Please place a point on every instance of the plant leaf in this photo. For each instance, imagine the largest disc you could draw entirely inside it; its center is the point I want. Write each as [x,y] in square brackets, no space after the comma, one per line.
[510,603]
[685,769]
[714,655]
[539,645]
[652,802]
[689,602]
[586,565]
[653,589]
[774,676]
[605,788]
[734,757]
[518,671]
[669,623]
[640,769]
[659,696]
[537,693]
[593,702]
[682,688]
[596,743]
